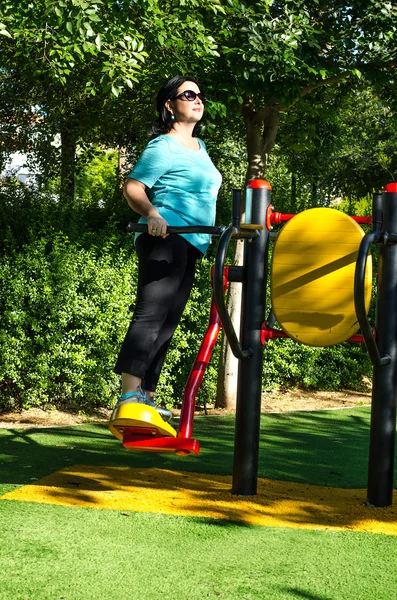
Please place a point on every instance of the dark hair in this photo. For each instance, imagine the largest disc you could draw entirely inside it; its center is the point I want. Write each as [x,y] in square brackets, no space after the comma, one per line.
[163,123]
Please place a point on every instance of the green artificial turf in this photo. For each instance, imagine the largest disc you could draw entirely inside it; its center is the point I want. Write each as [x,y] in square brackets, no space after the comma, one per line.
[327,448]
[55,552]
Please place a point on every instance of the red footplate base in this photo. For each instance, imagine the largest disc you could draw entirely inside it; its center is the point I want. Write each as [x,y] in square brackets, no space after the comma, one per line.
[181,446]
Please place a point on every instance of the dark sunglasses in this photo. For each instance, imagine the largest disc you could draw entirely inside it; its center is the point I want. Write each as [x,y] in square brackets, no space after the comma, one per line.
[190,96]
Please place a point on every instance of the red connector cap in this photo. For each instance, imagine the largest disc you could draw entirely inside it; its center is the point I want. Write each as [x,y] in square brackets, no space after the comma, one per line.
[390,187]
[259,183]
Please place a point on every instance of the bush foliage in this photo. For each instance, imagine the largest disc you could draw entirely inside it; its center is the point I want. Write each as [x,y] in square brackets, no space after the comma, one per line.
[68,282]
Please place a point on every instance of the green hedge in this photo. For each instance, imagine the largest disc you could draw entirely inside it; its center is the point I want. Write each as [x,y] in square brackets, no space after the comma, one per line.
[64,310]
[67,285]
[289,364]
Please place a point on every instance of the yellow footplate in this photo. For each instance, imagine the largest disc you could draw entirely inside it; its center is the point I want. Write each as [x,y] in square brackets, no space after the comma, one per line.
[139,419]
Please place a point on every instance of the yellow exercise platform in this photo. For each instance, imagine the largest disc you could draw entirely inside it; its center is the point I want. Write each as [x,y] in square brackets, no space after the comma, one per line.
[139,418]
[140,427]
[312,277]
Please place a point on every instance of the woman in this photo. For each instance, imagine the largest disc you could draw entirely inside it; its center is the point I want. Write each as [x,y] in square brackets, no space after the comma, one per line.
[173,183]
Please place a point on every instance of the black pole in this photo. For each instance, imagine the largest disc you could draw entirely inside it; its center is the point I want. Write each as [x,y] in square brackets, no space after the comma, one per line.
[376,211]
[384,388]
[249,387]
[236,208]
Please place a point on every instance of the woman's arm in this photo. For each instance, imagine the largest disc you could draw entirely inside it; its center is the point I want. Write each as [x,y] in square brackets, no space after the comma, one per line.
[135,193]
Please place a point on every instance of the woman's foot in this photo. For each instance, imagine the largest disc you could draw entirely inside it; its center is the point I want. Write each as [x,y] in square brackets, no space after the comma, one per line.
[142,397]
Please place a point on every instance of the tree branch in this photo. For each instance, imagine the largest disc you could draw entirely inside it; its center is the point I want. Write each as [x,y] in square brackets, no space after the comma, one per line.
[248,109]
[271,107]
[328,81]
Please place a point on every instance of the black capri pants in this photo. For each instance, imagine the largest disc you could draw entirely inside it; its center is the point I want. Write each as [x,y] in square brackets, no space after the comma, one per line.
[165,278]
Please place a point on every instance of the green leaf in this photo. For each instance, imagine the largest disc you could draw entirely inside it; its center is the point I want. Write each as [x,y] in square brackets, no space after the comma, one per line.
[88,27]
[94,17]
[69,27]
[88,47]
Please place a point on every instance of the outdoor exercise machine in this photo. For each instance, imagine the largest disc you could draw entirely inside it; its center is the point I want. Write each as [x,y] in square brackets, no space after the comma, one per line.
[320,288]
[140,427]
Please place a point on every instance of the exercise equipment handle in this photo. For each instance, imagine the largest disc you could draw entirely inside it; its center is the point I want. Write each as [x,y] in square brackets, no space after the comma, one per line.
[215,231]
[359,299]
[219,296]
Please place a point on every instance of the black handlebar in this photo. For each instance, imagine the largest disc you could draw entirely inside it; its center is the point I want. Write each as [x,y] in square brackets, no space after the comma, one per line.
[219,295]
[142,228]
[359,299]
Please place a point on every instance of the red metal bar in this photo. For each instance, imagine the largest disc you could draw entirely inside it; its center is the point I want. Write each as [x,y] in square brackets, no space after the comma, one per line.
[272,334]
[362,220]
[356,338]
[181,446]
[197,373]
[277,217]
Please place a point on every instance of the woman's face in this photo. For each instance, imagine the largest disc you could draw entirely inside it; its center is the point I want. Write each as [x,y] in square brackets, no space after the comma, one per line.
[183,109]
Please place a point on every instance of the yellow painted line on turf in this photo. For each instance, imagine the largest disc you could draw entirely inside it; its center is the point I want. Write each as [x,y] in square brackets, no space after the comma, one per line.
[277,504]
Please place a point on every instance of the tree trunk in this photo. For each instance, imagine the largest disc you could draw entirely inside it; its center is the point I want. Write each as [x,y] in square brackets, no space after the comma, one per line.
[68,162]
[313,199]
[226,389]
[261,130]
[294,205]
[122,166]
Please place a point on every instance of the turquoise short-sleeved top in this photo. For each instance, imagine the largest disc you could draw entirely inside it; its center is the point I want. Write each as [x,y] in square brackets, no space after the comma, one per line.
[182,184]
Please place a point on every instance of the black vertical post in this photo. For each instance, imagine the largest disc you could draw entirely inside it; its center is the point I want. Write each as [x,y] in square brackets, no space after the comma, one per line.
[384,388]
[236,208]
[249,387]
[377,212]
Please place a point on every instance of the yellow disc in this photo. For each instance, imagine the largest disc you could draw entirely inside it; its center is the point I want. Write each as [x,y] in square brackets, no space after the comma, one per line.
[139,416]
[312,277]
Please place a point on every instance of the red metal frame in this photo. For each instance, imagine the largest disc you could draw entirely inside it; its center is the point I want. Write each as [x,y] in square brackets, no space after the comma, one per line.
[278,217]
[200,366]
[181,446]
[268,333]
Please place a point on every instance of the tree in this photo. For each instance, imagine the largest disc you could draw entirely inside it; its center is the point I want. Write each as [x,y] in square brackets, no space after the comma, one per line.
[71,58]
[273,54]
[347,151]
[258,58]
[68,53]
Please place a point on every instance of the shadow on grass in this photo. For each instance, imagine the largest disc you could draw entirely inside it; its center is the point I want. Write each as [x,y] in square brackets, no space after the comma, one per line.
[298,593]
[323,448]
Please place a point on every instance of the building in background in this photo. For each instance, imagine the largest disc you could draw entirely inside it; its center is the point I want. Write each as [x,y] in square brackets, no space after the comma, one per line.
[16,168]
